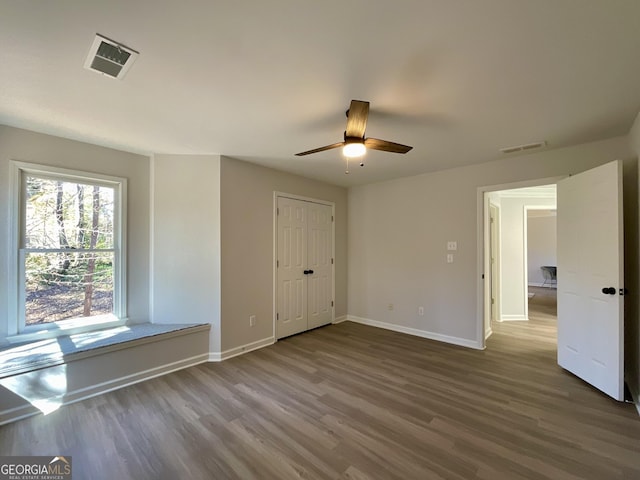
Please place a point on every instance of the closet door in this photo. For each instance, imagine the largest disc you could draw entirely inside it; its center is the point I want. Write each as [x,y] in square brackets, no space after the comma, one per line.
[304,266]
[292,257]
[319,249]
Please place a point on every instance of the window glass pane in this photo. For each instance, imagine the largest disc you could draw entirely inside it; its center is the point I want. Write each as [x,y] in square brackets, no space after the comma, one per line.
[65,285]
[64,214]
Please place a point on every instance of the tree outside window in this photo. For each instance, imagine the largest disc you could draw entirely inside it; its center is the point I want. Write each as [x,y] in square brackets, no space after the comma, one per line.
[70,247]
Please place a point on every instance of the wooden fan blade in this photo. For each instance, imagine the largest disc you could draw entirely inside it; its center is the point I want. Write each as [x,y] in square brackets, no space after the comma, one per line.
[376,144]
[357,119]
[321,149]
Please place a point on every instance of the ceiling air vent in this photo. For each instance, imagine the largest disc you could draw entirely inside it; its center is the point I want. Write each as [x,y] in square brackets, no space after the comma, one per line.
[520,148]
[109,58]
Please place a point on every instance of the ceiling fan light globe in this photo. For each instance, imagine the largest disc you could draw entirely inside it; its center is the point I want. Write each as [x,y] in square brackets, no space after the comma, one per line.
[353,150]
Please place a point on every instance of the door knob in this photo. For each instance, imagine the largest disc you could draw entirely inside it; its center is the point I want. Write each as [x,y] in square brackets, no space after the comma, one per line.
[308,272]
[609,291]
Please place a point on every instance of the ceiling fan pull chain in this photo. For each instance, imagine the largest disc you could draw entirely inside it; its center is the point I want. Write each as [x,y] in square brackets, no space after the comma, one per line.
[347,170]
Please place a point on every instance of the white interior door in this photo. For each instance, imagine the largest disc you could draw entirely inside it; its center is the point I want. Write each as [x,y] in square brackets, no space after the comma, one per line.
[292,257]
[304,277]
[590,259]
[319,251]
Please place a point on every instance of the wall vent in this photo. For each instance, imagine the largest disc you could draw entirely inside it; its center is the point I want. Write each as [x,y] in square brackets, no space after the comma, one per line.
[109,58]
[526,146]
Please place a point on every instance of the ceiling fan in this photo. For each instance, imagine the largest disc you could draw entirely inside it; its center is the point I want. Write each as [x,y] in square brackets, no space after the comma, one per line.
[355,144]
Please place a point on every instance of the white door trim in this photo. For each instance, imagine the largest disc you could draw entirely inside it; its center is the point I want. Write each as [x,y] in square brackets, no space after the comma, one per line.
[483,248]
[277,195]
[496,285]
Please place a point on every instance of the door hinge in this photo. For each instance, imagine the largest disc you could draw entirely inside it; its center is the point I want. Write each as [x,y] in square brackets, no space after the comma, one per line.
[277,263]
[277,210]
[332,261]
[332,218]
[493,301]
[277,316]
[332,303]
[483,275]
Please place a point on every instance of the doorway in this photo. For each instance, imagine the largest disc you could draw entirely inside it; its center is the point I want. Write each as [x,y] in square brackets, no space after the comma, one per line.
[304,264]
[506,288]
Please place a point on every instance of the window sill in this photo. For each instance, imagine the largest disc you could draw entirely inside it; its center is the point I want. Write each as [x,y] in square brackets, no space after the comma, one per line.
[66,327]
[46,353]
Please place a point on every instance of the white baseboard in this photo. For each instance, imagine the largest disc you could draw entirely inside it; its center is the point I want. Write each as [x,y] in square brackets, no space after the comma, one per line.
[463,342]
[340,319]
[234,352]
[513,318]
[27,410]
[488,333]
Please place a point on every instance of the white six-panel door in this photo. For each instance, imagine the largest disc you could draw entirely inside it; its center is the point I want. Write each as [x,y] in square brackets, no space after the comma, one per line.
[303,269]
[590,259]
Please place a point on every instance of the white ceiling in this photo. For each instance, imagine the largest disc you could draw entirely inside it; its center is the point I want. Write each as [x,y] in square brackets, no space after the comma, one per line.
[262,80]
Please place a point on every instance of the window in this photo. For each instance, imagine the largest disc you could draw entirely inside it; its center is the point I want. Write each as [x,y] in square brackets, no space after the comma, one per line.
[70,250]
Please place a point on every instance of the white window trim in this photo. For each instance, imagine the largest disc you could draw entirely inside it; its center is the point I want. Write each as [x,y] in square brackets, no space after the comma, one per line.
[16,330]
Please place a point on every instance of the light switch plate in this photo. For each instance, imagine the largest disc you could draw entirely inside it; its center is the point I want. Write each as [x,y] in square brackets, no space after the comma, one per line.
[449,257]
[452,245]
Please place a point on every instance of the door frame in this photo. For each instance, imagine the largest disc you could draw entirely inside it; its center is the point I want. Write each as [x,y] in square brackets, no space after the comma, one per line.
[494,270]
[483,253]
[292,196]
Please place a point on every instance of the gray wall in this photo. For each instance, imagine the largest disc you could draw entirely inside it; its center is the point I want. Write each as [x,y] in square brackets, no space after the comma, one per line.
[186,241]
[398,232]
[541,244]
[246,202]
[513,293]
[26,146]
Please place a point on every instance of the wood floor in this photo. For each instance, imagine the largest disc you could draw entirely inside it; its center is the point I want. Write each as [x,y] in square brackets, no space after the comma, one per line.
[353,402]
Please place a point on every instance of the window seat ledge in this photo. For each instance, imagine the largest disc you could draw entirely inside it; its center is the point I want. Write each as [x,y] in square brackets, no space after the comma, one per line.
[27,357]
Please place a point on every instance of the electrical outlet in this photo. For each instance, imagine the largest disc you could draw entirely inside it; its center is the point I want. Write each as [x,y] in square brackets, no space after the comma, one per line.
[452,245]
[252,321]
[390,306]
[449,257]
[421,311]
